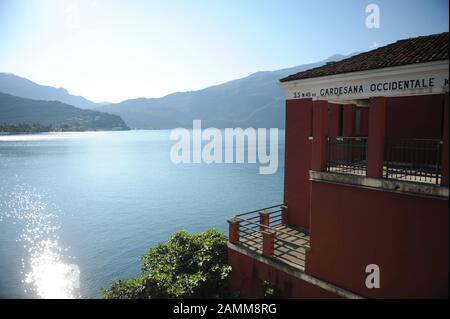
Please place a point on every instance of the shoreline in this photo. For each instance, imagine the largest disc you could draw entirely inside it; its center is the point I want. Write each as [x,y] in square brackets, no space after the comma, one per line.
[46,132]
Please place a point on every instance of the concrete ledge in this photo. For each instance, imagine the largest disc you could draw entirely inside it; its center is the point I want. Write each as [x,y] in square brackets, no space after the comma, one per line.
[294,271]
[382,184]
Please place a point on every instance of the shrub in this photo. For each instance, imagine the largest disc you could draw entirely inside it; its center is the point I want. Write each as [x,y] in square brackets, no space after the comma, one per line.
[187,266]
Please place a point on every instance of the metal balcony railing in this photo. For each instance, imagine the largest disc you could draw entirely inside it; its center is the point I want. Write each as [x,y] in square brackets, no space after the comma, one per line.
[417,160]
[347,155]
[266,232]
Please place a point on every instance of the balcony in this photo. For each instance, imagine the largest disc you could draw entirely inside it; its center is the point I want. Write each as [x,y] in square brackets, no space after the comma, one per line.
[347,155]
[413,160]
[265,232]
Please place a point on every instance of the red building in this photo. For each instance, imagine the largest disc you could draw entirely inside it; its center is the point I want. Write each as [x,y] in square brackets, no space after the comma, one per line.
[365,211]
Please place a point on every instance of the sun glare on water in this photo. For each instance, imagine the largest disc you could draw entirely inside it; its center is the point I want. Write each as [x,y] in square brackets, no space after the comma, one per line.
[50,136]
[46,271]
[50,276]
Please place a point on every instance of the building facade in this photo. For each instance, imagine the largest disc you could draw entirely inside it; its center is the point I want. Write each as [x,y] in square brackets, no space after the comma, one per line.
[365,212]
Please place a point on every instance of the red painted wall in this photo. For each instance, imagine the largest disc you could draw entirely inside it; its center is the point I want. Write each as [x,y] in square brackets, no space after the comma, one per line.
[364,124]
[415,116]
[248,275]
[349,125]
[298,161]
[445,129]
[376,137]
[407,236]
[319,143]
[334,120]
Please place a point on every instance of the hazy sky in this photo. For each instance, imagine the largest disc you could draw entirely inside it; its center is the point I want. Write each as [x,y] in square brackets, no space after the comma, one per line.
[112,50]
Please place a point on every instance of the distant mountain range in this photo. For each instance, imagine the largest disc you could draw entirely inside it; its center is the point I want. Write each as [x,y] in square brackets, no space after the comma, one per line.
[18,86]
[17,110]
[253,101]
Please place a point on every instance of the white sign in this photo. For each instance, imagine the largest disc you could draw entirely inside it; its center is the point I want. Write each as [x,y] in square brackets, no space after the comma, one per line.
[390,82]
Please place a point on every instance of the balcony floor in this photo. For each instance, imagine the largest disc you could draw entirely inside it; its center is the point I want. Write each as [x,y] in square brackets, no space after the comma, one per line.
[404,175]
[287,245]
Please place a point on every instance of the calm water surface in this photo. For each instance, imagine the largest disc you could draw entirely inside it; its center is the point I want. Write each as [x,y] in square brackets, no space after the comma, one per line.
[99,200]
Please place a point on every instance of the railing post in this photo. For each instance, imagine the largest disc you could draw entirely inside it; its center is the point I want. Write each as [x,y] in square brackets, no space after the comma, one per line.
[264,220]
[268,243]
[284,215]
[233,230]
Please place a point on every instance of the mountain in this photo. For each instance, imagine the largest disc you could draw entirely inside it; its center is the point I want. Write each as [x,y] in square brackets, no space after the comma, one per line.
[256,101]
[18,86]
[18,110]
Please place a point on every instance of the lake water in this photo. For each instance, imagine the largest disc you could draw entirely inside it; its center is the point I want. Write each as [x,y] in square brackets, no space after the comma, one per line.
[96,201]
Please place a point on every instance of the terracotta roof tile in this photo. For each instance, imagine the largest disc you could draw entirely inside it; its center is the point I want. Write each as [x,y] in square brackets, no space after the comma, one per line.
[409,51]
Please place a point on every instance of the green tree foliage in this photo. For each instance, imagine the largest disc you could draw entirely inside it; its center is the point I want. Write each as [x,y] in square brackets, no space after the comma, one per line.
[61,117]
[187,266]
[25,128]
